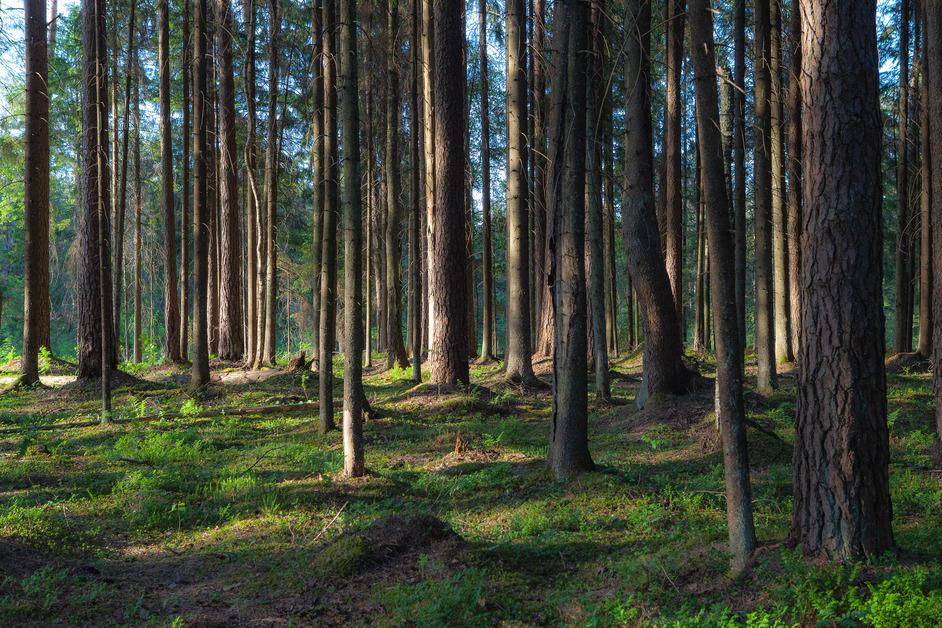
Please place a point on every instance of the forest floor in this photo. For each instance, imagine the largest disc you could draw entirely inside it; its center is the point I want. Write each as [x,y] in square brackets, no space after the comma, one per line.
[245,520]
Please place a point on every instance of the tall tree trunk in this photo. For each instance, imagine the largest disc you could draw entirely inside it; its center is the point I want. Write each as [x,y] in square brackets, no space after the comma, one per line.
[395,349]
[925,205]
[138,211]
[794,177]
[230,243]
[903,333]
[739,163]
[517,360]
[762,168]
[121,205]
[428,109]
[353,465]
[731,414]
[781,301]
[448,272]
[538,159]
[171,304]
[317,173]
[593,187]
[201,156]
[933,45]
[185,221]
[212,182]
[415,222]
[95,326]
[568,453]
[271,188]
[329,245]
[487,263]
[841,477]
[673,113]
[252,206]
[664,370]
[35,193]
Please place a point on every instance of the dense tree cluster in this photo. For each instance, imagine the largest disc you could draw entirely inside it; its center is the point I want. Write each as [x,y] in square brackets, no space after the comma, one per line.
[418,182]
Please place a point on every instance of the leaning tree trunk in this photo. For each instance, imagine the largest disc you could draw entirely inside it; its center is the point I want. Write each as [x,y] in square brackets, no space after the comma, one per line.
[352,225]
[328,314]
[171,304]
[448,272]
[200,350]
[731,414]
[933,45]
[765,331]
[395,348]
[271,189]
[35,194]
[664,370]
[487,262]
[568,453]
[842,504]
[517,362]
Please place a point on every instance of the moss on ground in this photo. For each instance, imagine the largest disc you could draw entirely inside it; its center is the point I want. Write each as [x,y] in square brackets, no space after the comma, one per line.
[235,519]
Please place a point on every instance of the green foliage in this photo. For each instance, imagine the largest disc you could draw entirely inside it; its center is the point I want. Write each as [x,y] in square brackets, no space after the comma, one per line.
[461,599]
[160,448]
[909,598]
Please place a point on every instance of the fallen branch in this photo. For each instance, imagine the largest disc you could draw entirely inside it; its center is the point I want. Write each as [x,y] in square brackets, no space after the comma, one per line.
[329,523]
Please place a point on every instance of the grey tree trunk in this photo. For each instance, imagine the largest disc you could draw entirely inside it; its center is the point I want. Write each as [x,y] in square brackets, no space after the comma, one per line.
[781,295]
[762,168]
[200,350]
[730,410]
[353,465]
[517,364]
[568,453]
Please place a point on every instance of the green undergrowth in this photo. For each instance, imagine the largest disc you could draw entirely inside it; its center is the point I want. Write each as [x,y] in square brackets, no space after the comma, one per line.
[253,511]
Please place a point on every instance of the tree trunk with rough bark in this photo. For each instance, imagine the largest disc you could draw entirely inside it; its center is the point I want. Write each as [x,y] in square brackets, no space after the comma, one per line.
[95,337]
[353,465]
[664,370]
[448,272]
[517,362]
[487,262]
[271,188]
[171,303]
[842,504]
[903,330]
[933,45]
[35,193]
[731,414]
[230,242]
[200,350]
[794,178]
[673,174]
[328,316]
[395,348]
[568,453]
[762,169]
[781,297]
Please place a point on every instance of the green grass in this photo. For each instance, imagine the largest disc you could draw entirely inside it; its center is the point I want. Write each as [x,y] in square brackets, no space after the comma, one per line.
[238,519]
